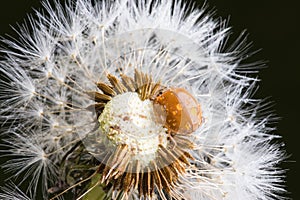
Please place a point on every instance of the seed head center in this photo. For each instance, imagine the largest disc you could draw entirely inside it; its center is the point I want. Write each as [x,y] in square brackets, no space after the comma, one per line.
[126,119]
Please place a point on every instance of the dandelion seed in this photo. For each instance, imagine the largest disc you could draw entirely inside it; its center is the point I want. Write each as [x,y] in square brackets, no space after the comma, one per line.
[132,100]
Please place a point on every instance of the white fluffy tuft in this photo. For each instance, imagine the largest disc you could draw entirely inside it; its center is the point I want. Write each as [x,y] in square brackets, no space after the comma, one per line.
[63,51]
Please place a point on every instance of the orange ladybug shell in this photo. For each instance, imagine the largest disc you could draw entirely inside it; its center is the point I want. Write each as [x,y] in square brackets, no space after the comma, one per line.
[183,112]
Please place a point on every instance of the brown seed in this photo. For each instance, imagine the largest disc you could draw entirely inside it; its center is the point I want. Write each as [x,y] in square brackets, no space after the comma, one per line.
[117,84]
[98,97]
[106,89]
[95,107]
[128,82]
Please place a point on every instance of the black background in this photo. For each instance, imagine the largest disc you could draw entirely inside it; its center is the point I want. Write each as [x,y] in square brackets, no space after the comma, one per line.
[274,27]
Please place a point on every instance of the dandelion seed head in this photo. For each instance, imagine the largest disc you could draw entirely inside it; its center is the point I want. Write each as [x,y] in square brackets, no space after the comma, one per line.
[138,100]
[126,119]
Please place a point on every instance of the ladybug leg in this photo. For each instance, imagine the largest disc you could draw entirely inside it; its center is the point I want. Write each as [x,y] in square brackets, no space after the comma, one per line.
[171,139]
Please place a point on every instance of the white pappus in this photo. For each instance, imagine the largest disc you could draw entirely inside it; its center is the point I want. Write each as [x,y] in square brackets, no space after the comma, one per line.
[133,100]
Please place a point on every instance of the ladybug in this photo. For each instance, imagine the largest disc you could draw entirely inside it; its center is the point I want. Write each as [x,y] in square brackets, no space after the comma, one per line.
[180,110]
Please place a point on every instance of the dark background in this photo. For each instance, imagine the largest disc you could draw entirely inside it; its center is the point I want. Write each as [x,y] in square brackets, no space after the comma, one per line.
[274,27]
